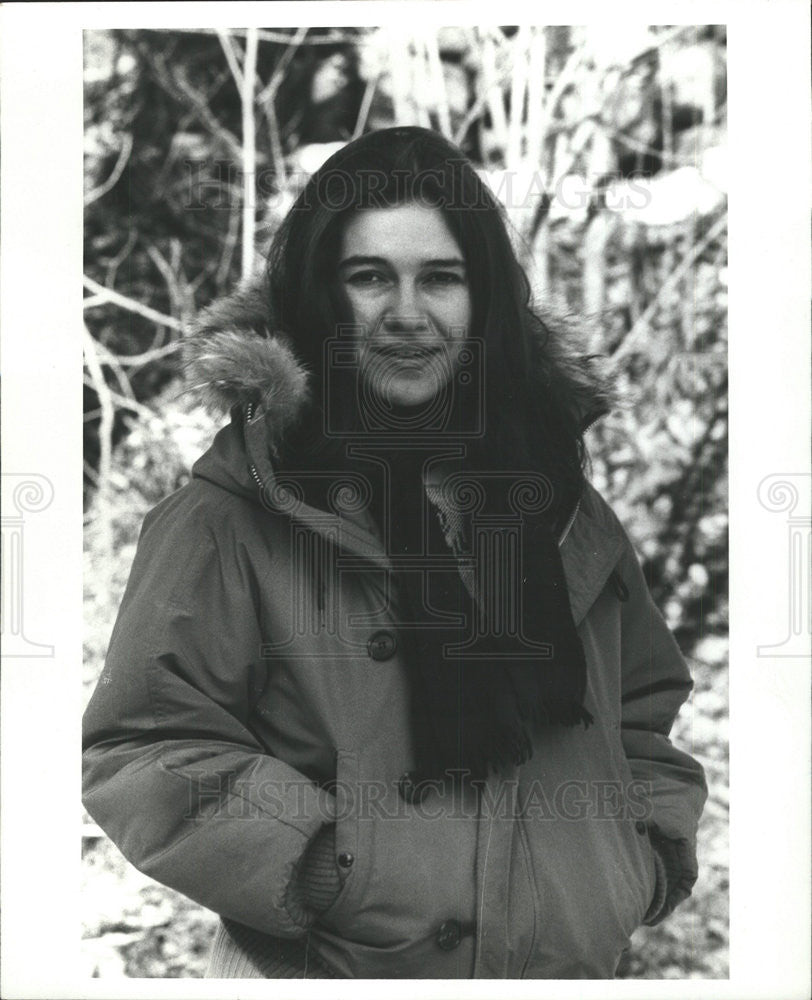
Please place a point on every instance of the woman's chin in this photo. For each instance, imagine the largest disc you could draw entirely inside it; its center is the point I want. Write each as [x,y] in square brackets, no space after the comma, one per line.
[409,390]
[396,384]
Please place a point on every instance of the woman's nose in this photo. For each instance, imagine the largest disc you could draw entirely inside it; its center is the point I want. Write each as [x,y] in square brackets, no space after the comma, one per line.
[405,312]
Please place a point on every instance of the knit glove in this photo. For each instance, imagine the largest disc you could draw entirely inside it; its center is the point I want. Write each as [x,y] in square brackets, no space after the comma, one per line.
[675,864]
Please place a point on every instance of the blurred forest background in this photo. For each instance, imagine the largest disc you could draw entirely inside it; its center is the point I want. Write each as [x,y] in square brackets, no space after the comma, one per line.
[608,150]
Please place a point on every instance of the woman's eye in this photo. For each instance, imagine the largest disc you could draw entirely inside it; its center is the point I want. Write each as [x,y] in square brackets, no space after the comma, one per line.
[366,278]
[444,278]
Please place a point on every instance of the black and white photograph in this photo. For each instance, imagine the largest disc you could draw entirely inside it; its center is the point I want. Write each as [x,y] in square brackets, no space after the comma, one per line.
[406,532]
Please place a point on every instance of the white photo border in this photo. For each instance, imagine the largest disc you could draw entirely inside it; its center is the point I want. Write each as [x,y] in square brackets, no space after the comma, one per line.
[40,304]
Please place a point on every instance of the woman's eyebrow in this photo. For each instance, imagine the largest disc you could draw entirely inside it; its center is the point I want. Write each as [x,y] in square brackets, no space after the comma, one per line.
[355,260]
[444,262]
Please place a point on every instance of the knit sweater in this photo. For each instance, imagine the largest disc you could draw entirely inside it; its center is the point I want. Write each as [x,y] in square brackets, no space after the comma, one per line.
[259,956]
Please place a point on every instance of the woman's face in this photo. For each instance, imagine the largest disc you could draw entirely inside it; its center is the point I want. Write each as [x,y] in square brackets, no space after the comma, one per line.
[403,275]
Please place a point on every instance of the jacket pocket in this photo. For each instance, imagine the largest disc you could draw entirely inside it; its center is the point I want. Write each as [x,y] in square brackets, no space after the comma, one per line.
[641,855]
[652,870]
[347,793]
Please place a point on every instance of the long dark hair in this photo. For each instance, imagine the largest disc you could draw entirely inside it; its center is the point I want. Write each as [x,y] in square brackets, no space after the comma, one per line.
[534,417]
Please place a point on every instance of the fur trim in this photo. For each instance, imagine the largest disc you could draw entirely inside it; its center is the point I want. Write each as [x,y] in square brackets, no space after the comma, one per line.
[585,380]
[232,358]
[230,367]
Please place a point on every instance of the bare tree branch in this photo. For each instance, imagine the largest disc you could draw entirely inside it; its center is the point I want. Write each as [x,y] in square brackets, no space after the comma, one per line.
[277,38]
[120,257]
[163,266]
[667,159]
[138,360]
[437,82]
[90,472]
[563,80]
[249,154]
[229,246]
[123,402]
[404,111]
[102,390]
[210,92]
[276,145]
[118,170]
[268,92]
[116,298]
[493,89]
[109,359]
[179,293]
[536,76]
[641,328]
[518,86]
[92,301]
[335,38]
[204,114]
[366,104]
[231,56]
[421,80]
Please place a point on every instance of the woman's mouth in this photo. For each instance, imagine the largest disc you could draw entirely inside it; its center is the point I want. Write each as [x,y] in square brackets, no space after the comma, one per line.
[407,352]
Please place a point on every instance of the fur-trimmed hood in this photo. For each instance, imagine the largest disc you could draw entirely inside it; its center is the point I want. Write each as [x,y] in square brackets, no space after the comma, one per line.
[232,357]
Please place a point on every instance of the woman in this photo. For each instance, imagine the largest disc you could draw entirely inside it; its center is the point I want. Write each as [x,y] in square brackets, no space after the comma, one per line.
[387,690]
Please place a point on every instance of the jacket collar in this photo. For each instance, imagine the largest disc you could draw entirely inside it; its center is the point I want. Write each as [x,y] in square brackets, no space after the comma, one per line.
[239,461]
[233,358]
[590,551]
[234,363]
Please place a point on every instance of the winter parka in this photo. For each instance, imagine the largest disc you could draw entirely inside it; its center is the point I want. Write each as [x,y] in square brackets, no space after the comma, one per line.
[255,694]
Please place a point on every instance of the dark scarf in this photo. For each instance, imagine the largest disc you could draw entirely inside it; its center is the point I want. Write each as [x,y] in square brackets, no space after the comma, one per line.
[476,712]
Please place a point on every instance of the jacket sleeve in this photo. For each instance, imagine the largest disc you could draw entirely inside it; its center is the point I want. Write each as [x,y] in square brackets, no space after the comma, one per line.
[655,683]
[171,769]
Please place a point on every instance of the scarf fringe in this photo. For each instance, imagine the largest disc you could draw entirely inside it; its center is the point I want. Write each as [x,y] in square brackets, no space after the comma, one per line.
[502,745]
[482,714]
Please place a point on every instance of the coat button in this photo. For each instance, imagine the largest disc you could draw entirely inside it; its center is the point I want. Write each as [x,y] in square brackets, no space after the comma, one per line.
[382,646]
[641,827]
[345,859]
[449,935]
[410,789]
